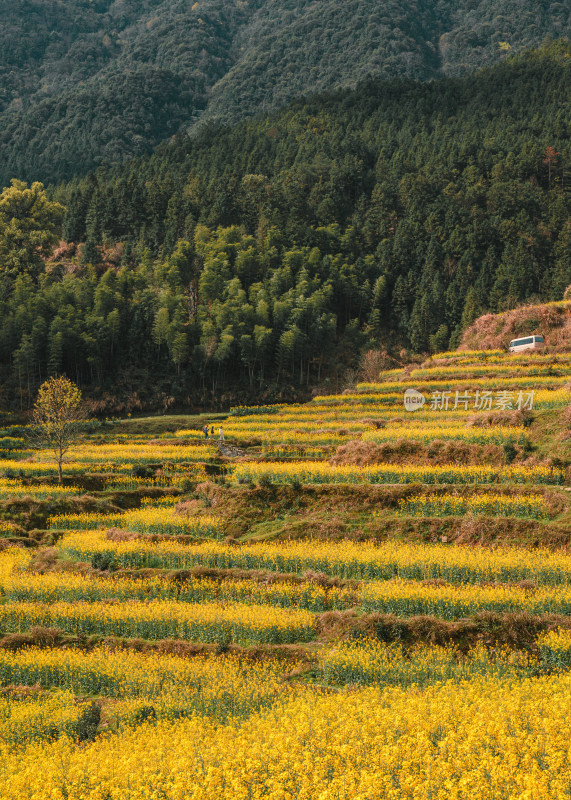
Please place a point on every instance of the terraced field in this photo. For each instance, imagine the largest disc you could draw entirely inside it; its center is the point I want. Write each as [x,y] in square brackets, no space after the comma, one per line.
[344,599]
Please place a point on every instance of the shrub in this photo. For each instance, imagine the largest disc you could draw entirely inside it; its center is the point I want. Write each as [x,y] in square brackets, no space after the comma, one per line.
[88,722]
[143,471]
[510,452]
[103,561]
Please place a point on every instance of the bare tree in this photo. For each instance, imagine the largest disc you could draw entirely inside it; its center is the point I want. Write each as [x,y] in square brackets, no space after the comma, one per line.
[372,363]
[57,418]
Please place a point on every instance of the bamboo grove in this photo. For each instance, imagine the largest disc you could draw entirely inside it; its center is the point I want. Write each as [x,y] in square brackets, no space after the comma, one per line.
[255,261]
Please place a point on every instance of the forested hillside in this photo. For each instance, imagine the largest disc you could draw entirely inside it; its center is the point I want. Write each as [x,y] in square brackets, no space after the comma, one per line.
[258,260]
[89,81]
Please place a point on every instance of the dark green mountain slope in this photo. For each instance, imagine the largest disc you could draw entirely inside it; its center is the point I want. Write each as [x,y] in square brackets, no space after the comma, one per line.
[244,261]
[88,81]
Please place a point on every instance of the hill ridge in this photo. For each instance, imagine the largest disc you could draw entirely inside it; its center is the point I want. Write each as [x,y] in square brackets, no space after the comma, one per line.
[87,83]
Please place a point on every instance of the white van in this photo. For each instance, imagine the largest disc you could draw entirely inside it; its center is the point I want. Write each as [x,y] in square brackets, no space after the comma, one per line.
[526,343]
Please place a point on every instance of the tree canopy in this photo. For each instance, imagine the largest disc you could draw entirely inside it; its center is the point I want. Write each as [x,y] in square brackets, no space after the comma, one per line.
[86,82]
[57,417]
[29,226]
[250,262]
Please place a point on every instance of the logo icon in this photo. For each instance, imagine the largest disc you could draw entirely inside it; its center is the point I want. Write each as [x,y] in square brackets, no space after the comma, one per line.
[413,400]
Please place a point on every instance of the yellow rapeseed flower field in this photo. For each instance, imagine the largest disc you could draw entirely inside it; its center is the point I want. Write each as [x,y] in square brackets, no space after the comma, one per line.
[482,738]
[217,686]
[164,619]
[159,662]
[146,520]
[320,472]
[347,559]
[518,505]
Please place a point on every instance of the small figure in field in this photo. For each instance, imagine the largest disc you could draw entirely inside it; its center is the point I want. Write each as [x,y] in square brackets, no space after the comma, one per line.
[212,431]
[221,434]
[205,431]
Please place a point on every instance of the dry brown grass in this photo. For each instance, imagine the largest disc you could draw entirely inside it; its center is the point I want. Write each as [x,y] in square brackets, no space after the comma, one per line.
[18,692]
[488,418]
[513,630]
[28,514]
[254,575]
[189,508]
[53,638]
[120,535]
[468,530]
[35,637]
[335,512]
[211,493]
[493,331]
[405,451]
[49,559]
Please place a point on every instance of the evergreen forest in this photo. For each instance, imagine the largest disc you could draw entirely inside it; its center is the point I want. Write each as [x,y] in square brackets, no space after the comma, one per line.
[87,82]
[256,261]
